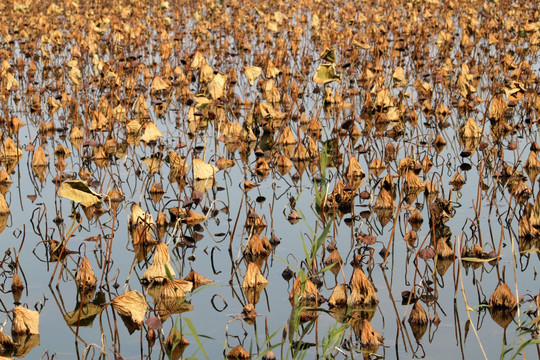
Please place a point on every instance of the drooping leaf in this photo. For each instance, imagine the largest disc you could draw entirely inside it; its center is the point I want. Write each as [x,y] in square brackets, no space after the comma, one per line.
[326,73]
[79,192]
[252,73]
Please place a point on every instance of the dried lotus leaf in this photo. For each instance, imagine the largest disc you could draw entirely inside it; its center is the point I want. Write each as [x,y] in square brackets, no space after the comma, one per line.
[418,314]
[131,305]
[202,170]
[503,298]
[85,278]
[370,337]
[151,133]
[253,277]
[304,289]
[252,73]
[25,321]
[339,296]
[79,192]
[161,267]
[362,290]
[4,208]
[175,289]
[197,279]
[238,353]
[9,150]
[39,158]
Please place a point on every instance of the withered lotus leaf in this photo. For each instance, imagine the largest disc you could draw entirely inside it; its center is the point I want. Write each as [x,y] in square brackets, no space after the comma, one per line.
[176,343]
[25,321]
[15,124]
[503,297]
[418,314]
[157,272]
[197,279]
[39,158]
[326,73]
[131,305]
[255,246]
[532,161]
[79,192]
[304,290]
[238,353]
[10,150]
[384,200]
[193,218]
[377,166]
[133,127]
[271,71]
[398,77]
[457,181]
[62,152]
[6,342]
[248,185]
[223,163]
[370,337]
[4,208]
[158,84]
[362,290]
[4,177]
[85,278]
[283,164]
[334,258]
[202,170]
[443,250]
[151,133]
[339,296]
[252,73]
[470,130]
[354,171]
[253,277]
[216,87]
[175,289]
[140,217]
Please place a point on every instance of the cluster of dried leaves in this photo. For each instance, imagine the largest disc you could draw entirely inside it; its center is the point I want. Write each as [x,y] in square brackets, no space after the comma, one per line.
[400,100]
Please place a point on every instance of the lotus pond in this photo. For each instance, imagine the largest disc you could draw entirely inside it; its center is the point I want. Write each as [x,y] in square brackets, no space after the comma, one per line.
[263,179]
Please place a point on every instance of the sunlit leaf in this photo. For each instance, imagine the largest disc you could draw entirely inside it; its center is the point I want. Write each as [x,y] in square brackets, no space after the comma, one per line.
[252,73]
[326,73]
[79,192]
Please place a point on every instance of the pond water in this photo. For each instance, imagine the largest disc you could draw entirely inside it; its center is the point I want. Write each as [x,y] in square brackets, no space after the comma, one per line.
[472,194]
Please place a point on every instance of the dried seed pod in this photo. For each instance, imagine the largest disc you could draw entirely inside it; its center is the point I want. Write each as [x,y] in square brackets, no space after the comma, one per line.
[25,321]
[85,279]
[157,272]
